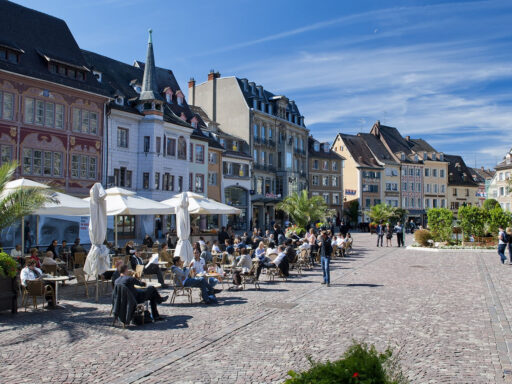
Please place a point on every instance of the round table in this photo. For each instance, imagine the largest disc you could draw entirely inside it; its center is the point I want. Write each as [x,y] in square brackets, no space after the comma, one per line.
[56,279]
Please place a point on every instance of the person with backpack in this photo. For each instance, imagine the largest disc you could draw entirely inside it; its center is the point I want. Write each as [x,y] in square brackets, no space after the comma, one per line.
[502,244]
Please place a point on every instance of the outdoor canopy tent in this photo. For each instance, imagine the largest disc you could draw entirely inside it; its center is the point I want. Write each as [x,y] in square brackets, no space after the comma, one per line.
[123,202]
[201,205]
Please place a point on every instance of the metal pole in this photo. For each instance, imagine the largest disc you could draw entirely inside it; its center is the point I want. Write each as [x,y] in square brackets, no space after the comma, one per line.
[115,230]
[22,236]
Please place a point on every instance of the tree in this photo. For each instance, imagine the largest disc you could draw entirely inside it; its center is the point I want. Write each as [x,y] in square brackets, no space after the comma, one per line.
[20,202]
[304,210]
[490,204]
[472,220]
[440,223]
[380,213]
[498,218]
[399,214]
[353,211]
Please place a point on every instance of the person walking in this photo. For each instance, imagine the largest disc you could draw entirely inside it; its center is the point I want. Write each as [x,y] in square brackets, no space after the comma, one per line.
[325,249]
[380,234]
[389,235]
[508,231]
[399,230]
[502,244]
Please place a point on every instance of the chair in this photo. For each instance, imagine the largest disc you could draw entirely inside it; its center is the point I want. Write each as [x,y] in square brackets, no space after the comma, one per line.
[334,251]
[50,269]
[115,259]
[250,277]
[304,260]
[36,288]
[179,290]
[139,270]
[79,259]
[296,264]
[82,279]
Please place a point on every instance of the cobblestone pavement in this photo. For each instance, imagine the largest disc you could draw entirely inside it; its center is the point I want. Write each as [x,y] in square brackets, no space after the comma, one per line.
[448,315]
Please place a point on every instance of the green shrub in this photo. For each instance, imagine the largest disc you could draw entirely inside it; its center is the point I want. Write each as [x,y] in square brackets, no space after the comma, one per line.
[497,218]
[359,364]
[472,220]
[440,222]
[8,267]
[422,236]
[490,204]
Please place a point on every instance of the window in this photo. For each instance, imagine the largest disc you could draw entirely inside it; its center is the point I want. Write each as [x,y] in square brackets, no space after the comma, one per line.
[256,157]
[454,191]
[443,203]
[199,183]
[182,148]
[262,154]
[6,106]
[427,172]
[315,164]
[326,198]
[404,186]
[368,202]
[467,192]
[256,131]
[315,179]
[122,137]
[83,120]
[425,157]
[442,188]
[427,188]
[434,203]
[370,188]
[199,153]
[334,167]
[171,147]
[145,180]
[412,187]
[213,157]
[168,182]
[263,132]
[435,189]
[212,178]
[434,173]
[83,167]
[158,144]
[6,154]
[146,144]
[441,173]
[157,180]
[270,134]
[325,181]
[325,165]
[43,113]
[122,177]
[411,172]
[270,159]
[392,187]
[418,172]
[191,157]
[37,162]
[402,156]
[418,187]
[335,198]
[335,181]
[427,203]
[180,183]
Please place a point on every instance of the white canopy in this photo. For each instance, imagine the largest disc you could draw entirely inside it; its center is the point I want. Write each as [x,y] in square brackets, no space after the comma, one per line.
[183,247]
[97,261]
[24,183]
[67,205]
[201,205]
[123,202]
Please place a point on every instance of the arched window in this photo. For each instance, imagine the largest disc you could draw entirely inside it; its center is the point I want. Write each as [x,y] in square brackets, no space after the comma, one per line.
[182,148]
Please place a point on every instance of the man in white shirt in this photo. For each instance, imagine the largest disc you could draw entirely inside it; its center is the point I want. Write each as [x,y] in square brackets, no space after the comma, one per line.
[281,261]
[16,252]
[31,272]
[198,263]
[215,247]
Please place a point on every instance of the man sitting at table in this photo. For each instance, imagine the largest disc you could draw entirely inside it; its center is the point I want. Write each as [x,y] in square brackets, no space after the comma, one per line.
[281,261]
[198,267]
[64,250]
[52,248]
[182,274]
[290,251]
[117,272]
[31,272]
[148,241]
[141,294]
[215,247]
[49,260]
[76,247]
[16,254]
[149,269]
[263,261]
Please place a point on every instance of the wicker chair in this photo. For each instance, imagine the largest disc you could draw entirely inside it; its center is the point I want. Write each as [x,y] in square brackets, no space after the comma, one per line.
[50,269]
[139,270]
[179,290]
[250,277]
[82,279]
[36,288]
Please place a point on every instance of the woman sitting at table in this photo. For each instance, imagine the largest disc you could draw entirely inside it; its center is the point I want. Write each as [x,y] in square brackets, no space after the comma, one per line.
[130,249]
[34,256]
[260,251]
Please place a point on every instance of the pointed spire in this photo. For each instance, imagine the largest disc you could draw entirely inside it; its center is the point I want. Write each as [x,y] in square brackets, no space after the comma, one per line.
[149,86]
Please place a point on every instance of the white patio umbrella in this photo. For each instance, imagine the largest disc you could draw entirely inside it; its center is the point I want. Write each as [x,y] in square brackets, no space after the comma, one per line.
[22,184]
[66,205]
[201,205]
[97,261]
[183,247]
[123,202]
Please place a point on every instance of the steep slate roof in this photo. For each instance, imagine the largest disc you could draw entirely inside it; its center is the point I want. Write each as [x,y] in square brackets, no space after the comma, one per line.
[420,145]
[481,174]
[394,139]
[359,150]
[378,149]
[456,174]
[321,153]
[39,35]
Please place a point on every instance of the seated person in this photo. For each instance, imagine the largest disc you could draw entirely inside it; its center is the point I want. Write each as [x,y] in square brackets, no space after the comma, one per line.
[260,251]
[49,260]
[76,247]
[215,247]
[303,245]
[240,244]
[267,234]
[245,261]
[141,294]
[148,241]
[34,255]
[263,261]
[290,251]
[205,252]
[280,238]
[32,272]
[201,241]
[16,255]
[256,237]
[281,261]
[150,269]
[117,272]
[271,248]
[198,264]
[246,239]
[129,248]
[229,247]
[183,275]
[64,251]
[52,248]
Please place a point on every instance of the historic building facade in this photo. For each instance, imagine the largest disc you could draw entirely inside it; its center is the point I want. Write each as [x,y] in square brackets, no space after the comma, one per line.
[499,187]
[274,129]
[325,173]
[462,189]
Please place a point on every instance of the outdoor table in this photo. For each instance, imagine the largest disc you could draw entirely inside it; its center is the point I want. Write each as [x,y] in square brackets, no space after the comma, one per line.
[150,284]
[162,264]
[56,279]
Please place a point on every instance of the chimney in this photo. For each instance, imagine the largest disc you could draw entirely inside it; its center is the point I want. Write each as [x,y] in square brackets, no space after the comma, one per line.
[192,84]
[213,75]
[378,123]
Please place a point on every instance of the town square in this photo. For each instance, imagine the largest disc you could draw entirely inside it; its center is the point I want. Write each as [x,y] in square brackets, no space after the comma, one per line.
[255,192]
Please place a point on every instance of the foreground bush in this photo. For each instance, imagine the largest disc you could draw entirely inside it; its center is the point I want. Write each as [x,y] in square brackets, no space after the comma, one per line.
[360,364]
[440,222]
[422,236]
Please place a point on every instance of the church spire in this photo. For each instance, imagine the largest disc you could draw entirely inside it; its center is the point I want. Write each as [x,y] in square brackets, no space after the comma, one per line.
[149,90]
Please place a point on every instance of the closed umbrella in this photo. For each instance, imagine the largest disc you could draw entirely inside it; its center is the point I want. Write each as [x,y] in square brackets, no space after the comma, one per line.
[183,247]
[97,259]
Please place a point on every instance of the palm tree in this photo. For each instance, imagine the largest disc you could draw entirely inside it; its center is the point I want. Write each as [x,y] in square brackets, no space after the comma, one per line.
[304,210]
[14,204]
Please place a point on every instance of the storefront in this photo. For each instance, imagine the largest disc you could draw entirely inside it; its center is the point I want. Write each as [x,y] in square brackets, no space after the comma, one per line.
[237,197]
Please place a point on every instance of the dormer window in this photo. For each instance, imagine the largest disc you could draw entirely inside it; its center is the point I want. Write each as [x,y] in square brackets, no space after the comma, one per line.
[180,100]
[168,98]
[97,75]
[425,156]
[441,157]
[136,88]
[119,100]
[316,147]
[11,55]
[415,158]
[402,156]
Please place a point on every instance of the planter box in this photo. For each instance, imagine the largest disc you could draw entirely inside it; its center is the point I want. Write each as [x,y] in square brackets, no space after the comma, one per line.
[8,294]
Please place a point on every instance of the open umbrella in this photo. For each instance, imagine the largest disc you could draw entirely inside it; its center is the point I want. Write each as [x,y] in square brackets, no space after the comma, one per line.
[183,247]
[97,259]
[201,205]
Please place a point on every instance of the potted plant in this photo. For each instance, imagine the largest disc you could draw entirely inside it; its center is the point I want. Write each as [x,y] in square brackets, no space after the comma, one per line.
[8,284]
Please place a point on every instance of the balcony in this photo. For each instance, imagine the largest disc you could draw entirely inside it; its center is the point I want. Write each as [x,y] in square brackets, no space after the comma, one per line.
[271,143]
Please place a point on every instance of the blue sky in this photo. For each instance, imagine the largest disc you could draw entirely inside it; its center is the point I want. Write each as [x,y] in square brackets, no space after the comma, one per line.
[433,69]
